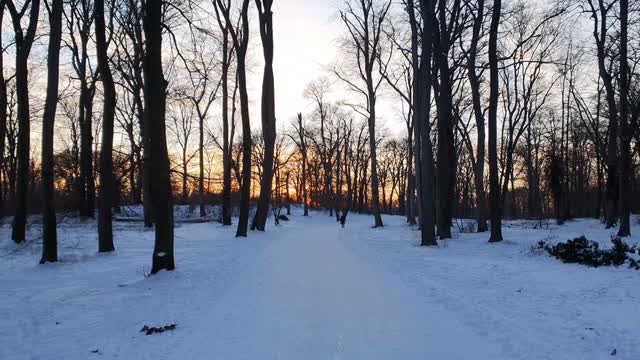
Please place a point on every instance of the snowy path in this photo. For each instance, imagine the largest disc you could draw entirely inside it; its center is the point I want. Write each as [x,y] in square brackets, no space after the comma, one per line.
[308,297]
[312,290]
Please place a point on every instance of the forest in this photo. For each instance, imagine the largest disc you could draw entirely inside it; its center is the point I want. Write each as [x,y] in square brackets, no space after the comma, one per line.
[311,179]
[512,110]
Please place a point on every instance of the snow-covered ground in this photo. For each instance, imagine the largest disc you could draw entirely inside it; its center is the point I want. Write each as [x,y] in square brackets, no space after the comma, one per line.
[312,290]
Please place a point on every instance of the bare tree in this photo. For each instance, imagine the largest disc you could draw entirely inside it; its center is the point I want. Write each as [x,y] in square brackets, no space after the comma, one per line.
[24,39]
[79,19]
[3,117]
[494,184]
[401,80]
[300,140]
[49,235]
[422,53]
[240,38]
[129,53]
[181,125]
[600,12]
[226,57]
[201,92]
[265,16]
[364,20]
[446,30]
[474,84]
[106,192]
[627,124]
[155,111]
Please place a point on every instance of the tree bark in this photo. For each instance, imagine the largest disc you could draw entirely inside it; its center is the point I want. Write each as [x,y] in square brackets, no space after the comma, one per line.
[626,130]
[474,83]
[226,149]
[226,152]
[3,118]
[155,105]
[79,21]
[494,183]
[49,235]
[265,17]
[600,36]
[240,39]
[107,184]
[422,94]
[23,42]
[375,190]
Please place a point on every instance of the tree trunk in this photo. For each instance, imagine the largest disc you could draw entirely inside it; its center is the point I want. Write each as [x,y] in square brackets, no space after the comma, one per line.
[87,184]
[446,152]
[201,176]
[474,83]
[626,130]
[612,191]
[23,48]
[147,193]
[494,183]
[416,120]
[155,102]
[268,114]
[375,191]
[243,221]
[226,153]
[3,119]
[410,194]
[241,52]
[303,150]
[107,186]
[49,235]
[422,100]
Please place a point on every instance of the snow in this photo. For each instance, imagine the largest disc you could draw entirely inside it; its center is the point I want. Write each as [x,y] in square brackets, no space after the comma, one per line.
[309,289]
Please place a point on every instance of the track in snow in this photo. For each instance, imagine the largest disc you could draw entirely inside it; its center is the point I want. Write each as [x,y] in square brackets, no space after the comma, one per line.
[308,297]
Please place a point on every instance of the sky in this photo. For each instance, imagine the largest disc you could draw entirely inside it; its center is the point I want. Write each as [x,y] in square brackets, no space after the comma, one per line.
[304,44]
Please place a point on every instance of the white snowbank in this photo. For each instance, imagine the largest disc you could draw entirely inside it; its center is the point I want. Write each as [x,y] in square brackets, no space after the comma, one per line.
[311,290]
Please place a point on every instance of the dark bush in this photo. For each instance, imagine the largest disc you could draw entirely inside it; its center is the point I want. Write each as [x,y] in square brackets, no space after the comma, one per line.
[149,330]
[583,251]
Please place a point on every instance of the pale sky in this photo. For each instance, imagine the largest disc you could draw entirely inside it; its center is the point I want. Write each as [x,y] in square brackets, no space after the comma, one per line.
[304,45]
[305,32]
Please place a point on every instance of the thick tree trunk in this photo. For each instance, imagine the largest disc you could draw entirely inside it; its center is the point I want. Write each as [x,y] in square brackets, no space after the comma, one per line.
[416,120]
[422,101]
[474,83]
[243,221]
[155,102]
[49,235]
[225,25]
[23,48]
[612,191]
[626,130]
[446,151]
[107,184]
[240,43]
[268,114]
[494,183]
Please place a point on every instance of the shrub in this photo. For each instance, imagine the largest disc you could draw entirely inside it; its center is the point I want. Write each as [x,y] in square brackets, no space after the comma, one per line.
[583,251]
[466,226]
